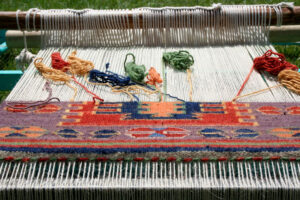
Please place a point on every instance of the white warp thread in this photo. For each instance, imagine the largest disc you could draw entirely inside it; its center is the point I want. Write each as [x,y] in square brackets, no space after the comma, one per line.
[216,25]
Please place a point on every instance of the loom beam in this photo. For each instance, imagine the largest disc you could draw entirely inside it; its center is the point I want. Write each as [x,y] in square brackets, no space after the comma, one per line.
[15,39]
[8,20]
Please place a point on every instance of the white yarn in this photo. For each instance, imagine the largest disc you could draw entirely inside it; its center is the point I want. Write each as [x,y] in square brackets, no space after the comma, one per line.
[102,28]
[247,175]
[24,59]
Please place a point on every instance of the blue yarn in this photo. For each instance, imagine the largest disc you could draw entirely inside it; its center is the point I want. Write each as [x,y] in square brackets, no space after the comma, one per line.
[178,99]
[114,79]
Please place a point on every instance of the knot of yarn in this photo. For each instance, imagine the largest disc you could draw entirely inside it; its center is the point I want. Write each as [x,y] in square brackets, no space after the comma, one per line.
[113,79]
[50,73]
[179,60]
[79,66]
[24,58]
[153,77]
[272,65]
[137,73]
[58,62]
[290,79]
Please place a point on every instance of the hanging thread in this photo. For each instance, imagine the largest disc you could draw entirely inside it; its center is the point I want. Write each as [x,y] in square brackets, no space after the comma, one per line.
[25,57]
[181,61]
[36,103]
[137,73]
[272,65]
[54,75]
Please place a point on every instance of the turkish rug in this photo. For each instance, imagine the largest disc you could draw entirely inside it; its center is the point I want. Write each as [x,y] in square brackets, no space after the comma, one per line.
[151,131]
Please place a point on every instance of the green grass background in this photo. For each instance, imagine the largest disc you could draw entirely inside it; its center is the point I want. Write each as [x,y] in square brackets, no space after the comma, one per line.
[292,52]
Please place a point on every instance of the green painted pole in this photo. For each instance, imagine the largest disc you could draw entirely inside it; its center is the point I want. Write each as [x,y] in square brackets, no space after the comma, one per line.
[9,78]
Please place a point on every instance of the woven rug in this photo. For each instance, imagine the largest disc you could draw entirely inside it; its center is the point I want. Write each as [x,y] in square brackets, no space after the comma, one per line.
[151,131]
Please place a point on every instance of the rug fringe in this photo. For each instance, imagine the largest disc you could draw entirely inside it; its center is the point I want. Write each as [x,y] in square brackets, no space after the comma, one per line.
[149,180]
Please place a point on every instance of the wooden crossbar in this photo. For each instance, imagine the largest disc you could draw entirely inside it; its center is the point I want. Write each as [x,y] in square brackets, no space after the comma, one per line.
[8,20]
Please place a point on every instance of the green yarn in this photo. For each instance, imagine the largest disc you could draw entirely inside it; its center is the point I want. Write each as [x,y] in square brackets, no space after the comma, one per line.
[137,73]
[179,60]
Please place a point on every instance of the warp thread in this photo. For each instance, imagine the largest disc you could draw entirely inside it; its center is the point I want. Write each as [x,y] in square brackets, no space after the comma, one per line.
[20,105]
[278,66]
[181,61]
[137,73]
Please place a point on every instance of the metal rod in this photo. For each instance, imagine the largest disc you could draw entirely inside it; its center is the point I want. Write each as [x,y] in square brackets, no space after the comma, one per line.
[8,19]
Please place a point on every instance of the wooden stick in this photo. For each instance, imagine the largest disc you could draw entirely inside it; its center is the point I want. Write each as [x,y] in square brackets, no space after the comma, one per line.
[283,34]
[8,19]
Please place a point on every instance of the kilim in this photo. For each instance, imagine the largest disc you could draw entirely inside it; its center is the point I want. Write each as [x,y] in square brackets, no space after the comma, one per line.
[127,130]
[108,127]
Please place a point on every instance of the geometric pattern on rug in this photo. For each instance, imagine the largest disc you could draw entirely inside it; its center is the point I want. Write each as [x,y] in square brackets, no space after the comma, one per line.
[151,127]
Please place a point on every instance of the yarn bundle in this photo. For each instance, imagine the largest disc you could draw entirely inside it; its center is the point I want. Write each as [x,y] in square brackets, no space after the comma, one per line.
[181,61]
[133,83]
[275,64]
[137,73]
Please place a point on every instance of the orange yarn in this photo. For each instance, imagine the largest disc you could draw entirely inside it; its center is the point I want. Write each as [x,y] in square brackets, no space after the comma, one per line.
[50,73]
[290,79]
[153,77]
[78,66]
[54,75]
[287,78]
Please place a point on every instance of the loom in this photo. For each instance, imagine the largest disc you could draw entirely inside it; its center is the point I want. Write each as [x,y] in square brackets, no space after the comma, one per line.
[223,39]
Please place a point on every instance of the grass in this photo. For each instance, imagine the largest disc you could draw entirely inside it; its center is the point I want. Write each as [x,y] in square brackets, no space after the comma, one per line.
[7,59]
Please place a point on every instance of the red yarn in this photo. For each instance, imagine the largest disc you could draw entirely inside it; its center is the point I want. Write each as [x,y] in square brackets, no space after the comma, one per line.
[58,62]
[94,95]
[272,65]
